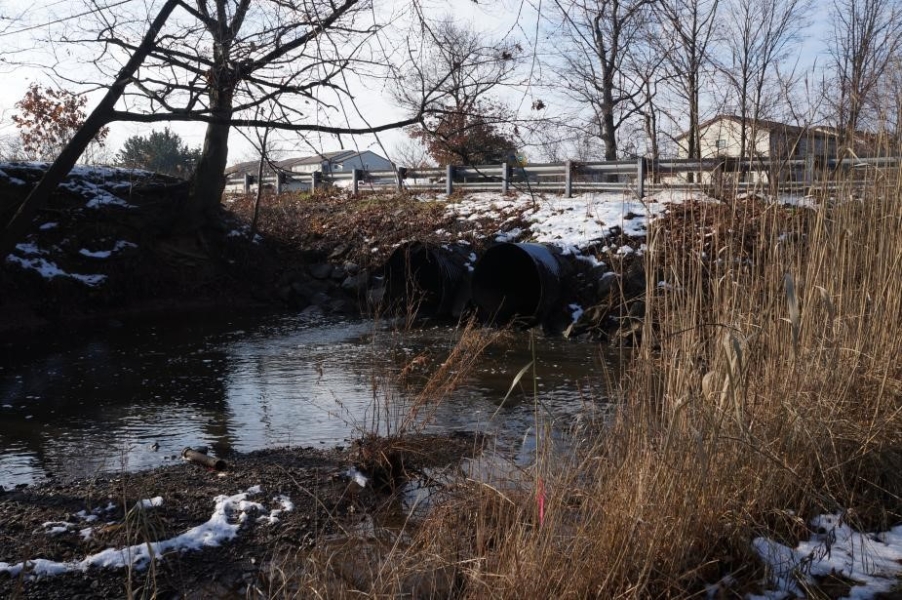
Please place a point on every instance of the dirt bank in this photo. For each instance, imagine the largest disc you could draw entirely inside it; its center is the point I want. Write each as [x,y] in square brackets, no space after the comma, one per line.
[110,245]
[267,506]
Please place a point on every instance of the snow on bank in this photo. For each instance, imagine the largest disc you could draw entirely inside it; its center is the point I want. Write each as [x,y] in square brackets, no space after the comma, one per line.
[575,222]
[34,261]
[116,176]
[154,502]
[118,247]
[229,513]
[872,560]
[99,186]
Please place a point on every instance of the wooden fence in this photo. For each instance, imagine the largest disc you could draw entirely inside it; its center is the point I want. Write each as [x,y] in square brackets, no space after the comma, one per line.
[640,176]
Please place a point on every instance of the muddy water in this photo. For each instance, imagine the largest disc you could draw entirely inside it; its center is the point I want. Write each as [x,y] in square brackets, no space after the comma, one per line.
[133,395]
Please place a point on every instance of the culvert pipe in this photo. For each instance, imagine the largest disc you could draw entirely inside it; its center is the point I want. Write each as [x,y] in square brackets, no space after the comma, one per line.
[516,283]
[429,279]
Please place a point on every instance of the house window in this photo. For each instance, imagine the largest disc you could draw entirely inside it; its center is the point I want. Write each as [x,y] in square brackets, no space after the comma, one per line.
[720,144]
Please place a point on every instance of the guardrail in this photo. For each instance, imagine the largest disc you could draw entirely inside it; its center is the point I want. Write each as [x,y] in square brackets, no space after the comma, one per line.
[639,176]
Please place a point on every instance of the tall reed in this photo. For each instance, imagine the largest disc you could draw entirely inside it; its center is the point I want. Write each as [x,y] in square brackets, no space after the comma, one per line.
[767,390]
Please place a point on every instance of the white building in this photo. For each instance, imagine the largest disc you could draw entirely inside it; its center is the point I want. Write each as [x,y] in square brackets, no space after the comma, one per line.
[771,142]
[296,174]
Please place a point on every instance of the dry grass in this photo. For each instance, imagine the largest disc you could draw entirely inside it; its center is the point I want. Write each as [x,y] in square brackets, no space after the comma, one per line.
[767,390]
[349,227]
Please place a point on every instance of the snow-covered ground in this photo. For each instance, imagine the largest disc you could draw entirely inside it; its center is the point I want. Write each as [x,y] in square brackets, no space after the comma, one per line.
[872,560]
[573,224]
[98,186]
[570,223]
[229,514]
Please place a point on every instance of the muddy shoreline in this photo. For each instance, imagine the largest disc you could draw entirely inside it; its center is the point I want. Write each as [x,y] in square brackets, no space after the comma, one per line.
[67,522]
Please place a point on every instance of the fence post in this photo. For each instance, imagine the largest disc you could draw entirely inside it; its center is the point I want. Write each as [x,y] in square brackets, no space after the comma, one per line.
[640,177]
[247,183]
[316,181]
[809,170]
[400,176]
[449,179]
[356,176]
[505,178]
[568,179]
[280,178]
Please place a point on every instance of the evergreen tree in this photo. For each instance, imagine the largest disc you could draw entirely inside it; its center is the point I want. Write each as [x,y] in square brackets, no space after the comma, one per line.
[160,151]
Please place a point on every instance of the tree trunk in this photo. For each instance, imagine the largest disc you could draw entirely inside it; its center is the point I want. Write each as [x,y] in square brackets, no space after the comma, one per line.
[609,134]
[651,131]
[608,125]
[209,179]
[693,151]
[259,196]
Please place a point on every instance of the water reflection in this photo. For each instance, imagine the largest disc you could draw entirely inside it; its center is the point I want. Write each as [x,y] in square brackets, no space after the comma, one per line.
[75,406]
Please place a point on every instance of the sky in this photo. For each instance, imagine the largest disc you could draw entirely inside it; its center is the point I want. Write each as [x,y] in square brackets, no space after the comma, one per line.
[24,25]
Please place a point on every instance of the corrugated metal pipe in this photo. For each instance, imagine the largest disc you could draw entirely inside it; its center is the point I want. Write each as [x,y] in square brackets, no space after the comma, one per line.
[429,279]
[518,283]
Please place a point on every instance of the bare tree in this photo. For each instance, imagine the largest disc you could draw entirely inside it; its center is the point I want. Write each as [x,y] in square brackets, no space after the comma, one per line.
[411,153]
[221,59]
[215,63]
[470,125]
[593,62]
[889,111]
[646,61]
[263,144]
[866,37]
[759,36]
[690,27]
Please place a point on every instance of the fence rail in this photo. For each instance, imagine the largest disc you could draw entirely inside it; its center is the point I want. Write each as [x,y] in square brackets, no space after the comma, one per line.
[639,176]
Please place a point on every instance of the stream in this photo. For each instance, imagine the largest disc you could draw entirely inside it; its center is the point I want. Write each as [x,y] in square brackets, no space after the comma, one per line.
[132,395]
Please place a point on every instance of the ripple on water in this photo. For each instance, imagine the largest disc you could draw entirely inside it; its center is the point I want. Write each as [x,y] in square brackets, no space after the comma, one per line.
[77,407]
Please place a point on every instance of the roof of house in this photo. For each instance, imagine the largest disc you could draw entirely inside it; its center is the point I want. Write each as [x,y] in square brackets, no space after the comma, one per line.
[289,163]
[762,125]
[337,156]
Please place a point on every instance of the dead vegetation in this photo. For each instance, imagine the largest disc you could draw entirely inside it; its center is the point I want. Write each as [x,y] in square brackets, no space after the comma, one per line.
[363,229]
[767,391]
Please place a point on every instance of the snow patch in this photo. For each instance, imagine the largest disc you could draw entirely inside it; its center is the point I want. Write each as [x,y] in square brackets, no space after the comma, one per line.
[49,270]
[579,221]
[119,246]
[229,513]
[150,502]
[576,311]
[357,476]
[871,560]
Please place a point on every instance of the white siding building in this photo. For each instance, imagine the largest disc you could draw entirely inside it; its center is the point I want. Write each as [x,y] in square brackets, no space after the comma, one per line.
[770,141]
[296,174]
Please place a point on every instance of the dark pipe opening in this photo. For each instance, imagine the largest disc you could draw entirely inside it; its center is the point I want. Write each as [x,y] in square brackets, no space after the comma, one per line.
[515,282]
[426,278]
